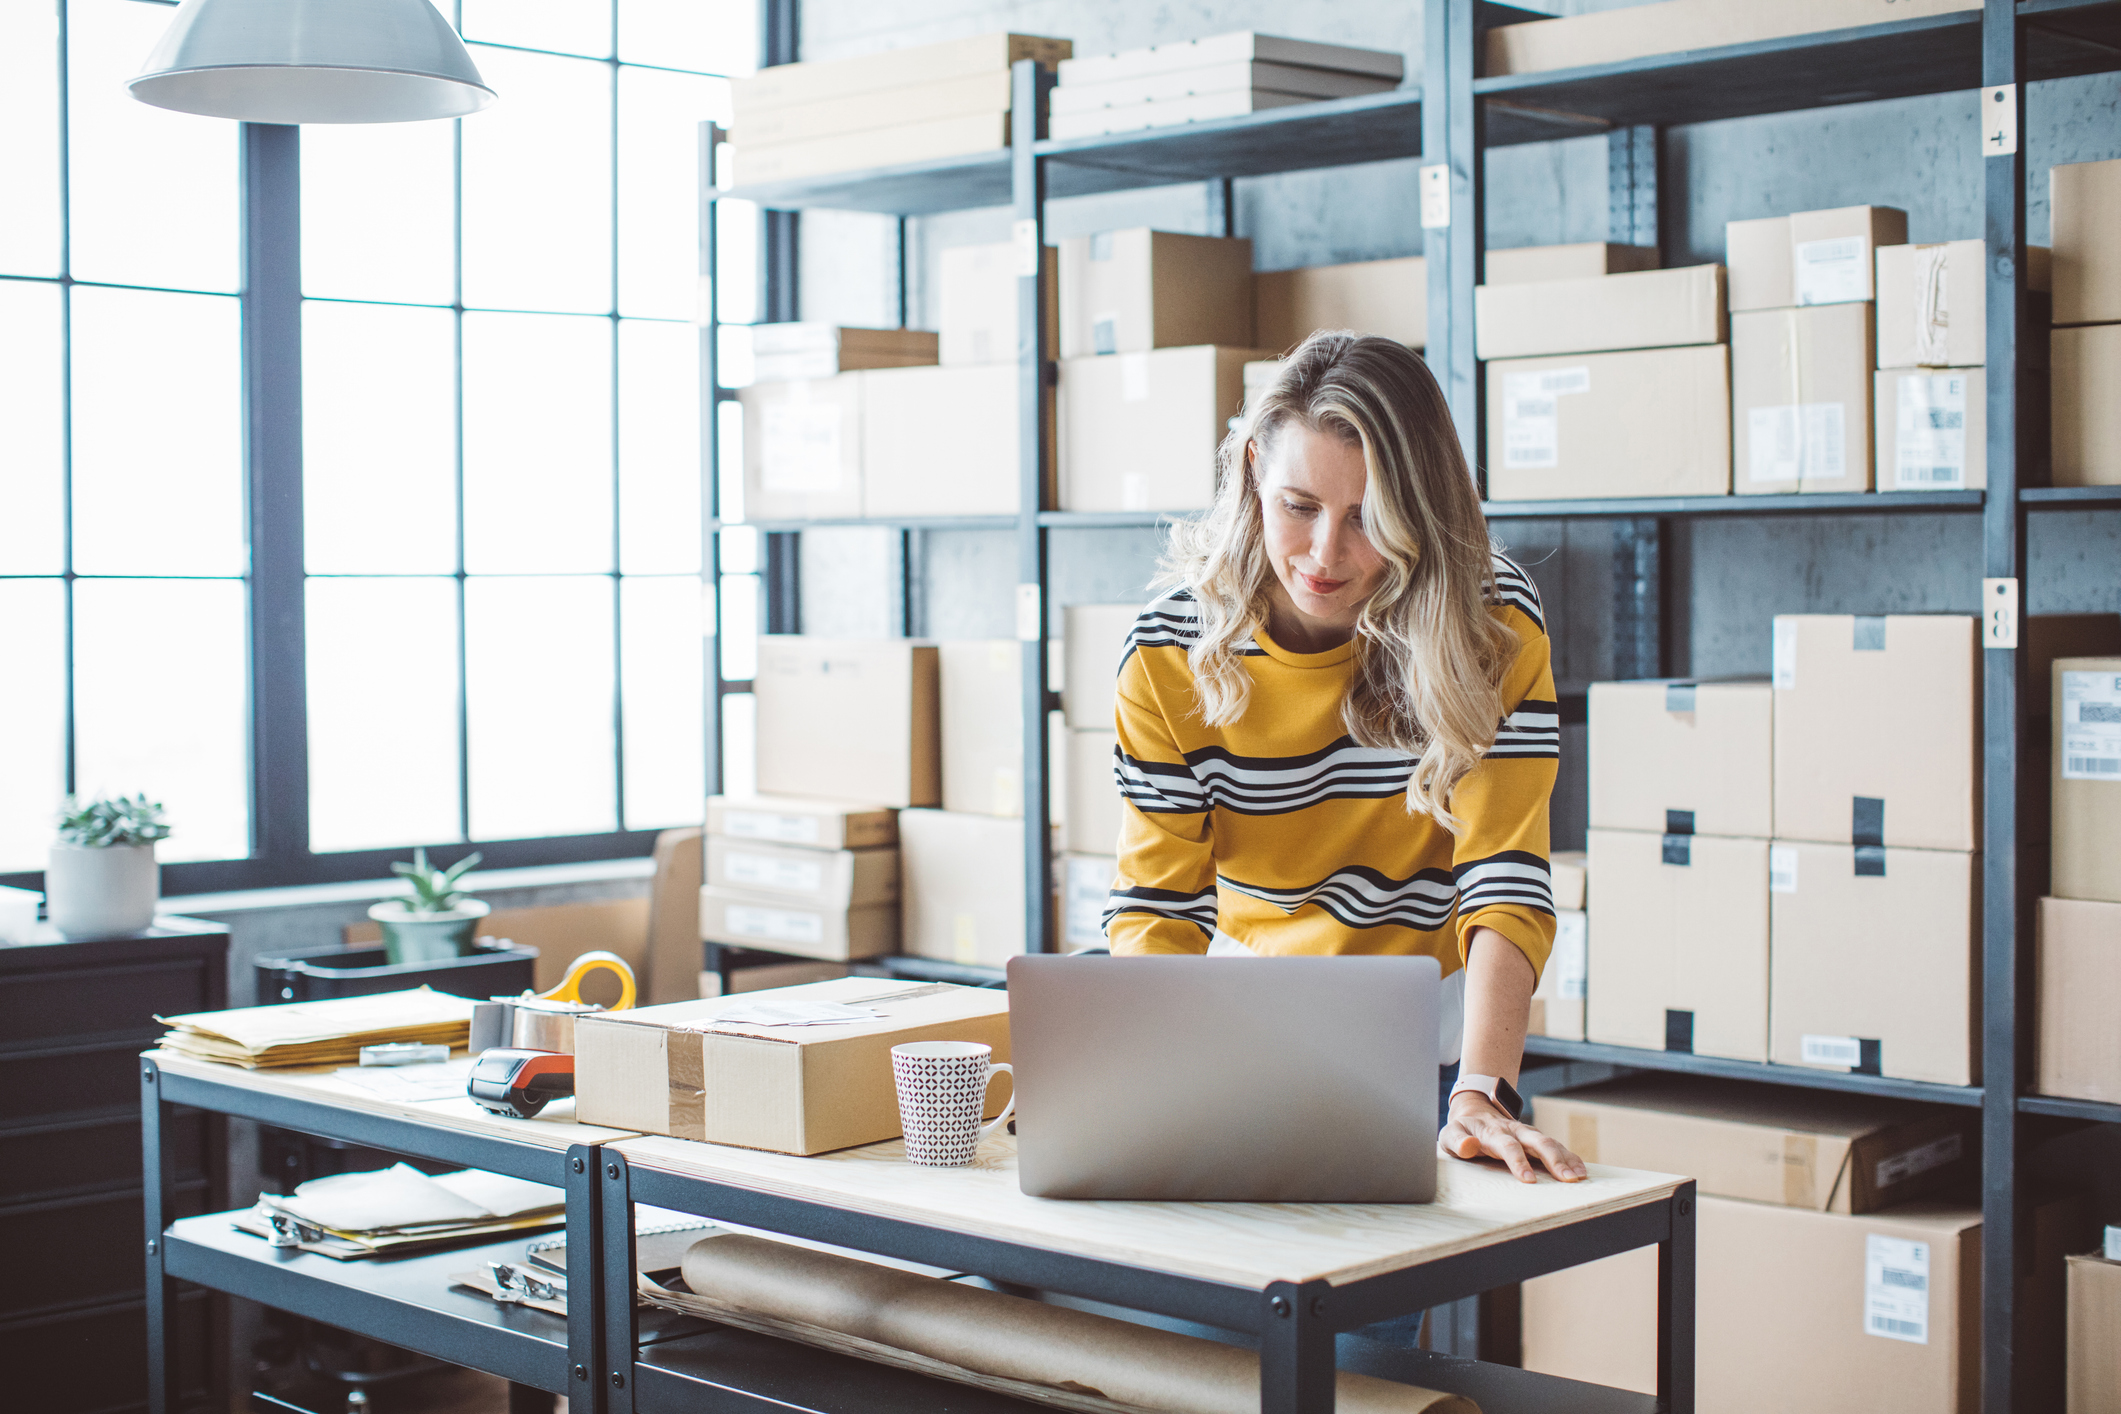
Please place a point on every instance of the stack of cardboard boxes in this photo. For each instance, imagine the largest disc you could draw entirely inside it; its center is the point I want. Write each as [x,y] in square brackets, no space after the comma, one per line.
[1223,76]
[1637,31]
[802,878]
[803,415]
[2085,199]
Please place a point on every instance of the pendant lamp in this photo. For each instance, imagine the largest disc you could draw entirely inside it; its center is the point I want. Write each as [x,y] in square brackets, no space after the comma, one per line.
[312,61]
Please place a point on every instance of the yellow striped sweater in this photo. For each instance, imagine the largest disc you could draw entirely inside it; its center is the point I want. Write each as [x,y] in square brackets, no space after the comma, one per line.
[1281,833]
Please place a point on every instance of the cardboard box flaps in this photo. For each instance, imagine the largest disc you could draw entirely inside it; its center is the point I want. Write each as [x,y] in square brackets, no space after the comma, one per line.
[815,822]
[676,1070]
[1647,309]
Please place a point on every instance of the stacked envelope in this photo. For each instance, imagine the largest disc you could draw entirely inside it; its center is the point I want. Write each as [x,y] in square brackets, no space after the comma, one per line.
[399,1209]
[318,1033]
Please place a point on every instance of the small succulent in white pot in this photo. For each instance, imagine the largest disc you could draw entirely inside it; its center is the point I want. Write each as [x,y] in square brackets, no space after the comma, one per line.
[101,878]
[436,920]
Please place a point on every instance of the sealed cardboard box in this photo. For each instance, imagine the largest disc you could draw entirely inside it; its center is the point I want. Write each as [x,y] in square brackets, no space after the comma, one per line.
[983,726]
[2086,413]
[829,79]
[812,350]
[803,820]
[1139,431]
[1648,309]
[1851,770]
[1813,257]
[829,878]
[941,441]
[958,135]
[1655,422]
[1874,960]
[1570,870]
[961,887]
[1388,298]
[2043,638]
[1634,32]
[2086,778]
[1683,757]
[1253,76]
[1581,261]
[1136,290]
[803,449]
[1664,981]
[1094,805]
[2084,200]
[1817,1149]
[1242,46]
[1096,638]
[1932,429]
[777,922]
[1801,399]
[2077,991]
[1933,302]
[2094,1335]
[976,304]
[840,718]
[982,91]
[684,1070]
[1086,887]
[1558,1001]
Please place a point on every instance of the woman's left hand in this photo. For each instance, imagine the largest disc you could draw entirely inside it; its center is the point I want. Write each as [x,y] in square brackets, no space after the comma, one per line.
[1478,1129]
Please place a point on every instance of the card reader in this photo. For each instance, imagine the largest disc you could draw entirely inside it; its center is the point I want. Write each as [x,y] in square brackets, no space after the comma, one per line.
[521,1083]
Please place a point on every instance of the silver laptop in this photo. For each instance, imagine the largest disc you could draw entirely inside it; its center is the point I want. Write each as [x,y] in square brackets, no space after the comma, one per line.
[1273,1079]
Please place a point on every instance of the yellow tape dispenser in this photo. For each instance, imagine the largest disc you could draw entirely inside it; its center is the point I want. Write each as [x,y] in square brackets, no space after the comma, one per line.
[545,1022]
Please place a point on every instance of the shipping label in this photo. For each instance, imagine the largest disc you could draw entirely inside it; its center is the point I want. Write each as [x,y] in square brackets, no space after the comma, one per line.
[1572,956]
[765,871]
[2091,726]
[1834,271]
[1930,423]
[1899,1168]
[777,925]
[799,447]
[1797,442]
[1782,869]
[1531,415]
[1844,1051]
[1896,1288]
[770,825]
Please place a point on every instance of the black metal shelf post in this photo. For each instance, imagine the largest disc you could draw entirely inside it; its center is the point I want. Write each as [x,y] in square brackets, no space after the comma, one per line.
[1036,383]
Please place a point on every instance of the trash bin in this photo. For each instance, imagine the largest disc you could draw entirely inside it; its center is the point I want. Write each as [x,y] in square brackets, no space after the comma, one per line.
[498,968]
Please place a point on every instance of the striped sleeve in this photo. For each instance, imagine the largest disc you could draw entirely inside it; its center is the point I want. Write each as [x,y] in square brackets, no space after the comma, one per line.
[1163,896]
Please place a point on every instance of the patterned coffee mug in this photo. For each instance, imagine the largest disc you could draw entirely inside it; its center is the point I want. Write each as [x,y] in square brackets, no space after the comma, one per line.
[942,1087]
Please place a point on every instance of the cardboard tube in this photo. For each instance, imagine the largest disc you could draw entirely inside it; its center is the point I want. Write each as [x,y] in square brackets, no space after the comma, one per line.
[987,1333]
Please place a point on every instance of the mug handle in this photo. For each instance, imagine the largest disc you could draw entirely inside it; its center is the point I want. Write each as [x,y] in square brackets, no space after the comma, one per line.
[1007,1110]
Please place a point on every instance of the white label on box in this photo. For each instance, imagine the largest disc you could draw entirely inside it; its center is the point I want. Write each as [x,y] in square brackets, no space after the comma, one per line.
[1899,1168]
[1896,1288]
[1797,441]
[1133,377]
[775,925]
[1782,869]
[2113,1244]
[768,825]
[1785,653]
[1571,959]
[2091,726]
[799,447]
[1930,425]
[1531,414]
[1833,272]
[1832,1050]
[764,871]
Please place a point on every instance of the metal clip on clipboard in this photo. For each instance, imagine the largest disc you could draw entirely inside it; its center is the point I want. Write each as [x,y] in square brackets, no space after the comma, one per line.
[514,1284]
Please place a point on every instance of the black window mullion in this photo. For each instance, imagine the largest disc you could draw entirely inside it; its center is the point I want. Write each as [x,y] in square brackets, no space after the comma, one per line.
[66,394]
[618,495]
[463,620]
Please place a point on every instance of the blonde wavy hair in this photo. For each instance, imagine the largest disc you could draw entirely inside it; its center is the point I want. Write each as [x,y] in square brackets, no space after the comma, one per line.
[1429,656]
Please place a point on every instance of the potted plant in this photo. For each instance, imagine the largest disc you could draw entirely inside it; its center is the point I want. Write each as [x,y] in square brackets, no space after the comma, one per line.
[436,921]
[102,878]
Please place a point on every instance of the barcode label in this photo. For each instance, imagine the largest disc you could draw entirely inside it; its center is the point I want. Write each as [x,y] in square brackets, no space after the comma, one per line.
[1899,1168]
[2091,726]
[1896,1288]
[1832,1050]
[765,825]
[1782,869]
[1531,415]
[2076,766]
[1930,431]
[1929,475]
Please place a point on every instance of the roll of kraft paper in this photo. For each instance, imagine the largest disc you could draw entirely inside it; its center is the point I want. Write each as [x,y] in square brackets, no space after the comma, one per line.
[1052,1354]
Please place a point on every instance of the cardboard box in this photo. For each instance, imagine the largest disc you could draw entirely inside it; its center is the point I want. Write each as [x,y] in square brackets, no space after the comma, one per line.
[2093,1382]
[1849,768]
[2077,987]
[2086,778]
[1136,290]
[2086,414]
[1648,309]
[848,717]
[1570,869]
[817,823]
[982,91]
[941,441]
[803,449]
[1801,399]
[1096,639]
[791,1089]
[1933,302]
[1388,298]
[1666,982]
[2084,206]
[775,922]
[827,878]
[1875,969]
[1581,261]
[959,135]
[983,727]
[2043,638]
[780,352]
[1683,757]
[1656,422]
[961,887]
[1259,377]
[1237,75]
[1932,429]
[975,302]
[1613,36]
[1170,113]
[1813,257]
[1240,47]
[765,977]
[1086,887]
[1094,804]
[1558,1000]
[1816,1149]
[827,79]
[1139,431]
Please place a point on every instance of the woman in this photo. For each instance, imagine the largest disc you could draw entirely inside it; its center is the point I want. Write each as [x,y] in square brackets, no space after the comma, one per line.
[1337,731]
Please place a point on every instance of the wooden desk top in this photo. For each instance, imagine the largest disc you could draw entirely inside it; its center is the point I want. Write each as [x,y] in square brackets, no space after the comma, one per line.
[1245,1244]
[554,1128]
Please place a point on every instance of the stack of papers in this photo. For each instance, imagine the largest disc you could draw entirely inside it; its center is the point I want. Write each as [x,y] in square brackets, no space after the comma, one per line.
[400,1209]
[318,1033]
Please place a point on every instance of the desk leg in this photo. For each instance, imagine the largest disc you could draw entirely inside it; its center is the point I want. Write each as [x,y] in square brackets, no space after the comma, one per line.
[1296,1350]
[157,1182]
[1675,1308]
[585,1359]
[615,1288]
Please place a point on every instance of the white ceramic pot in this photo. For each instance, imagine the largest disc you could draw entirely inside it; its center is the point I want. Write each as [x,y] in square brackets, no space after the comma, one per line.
[100,892]
[427,937]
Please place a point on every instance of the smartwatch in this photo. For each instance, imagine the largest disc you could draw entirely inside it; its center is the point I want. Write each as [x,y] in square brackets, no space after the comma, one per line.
[1499,1092]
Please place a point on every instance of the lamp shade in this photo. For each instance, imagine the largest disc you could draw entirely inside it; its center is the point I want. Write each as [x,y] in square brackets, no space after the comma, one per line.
[312,61]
